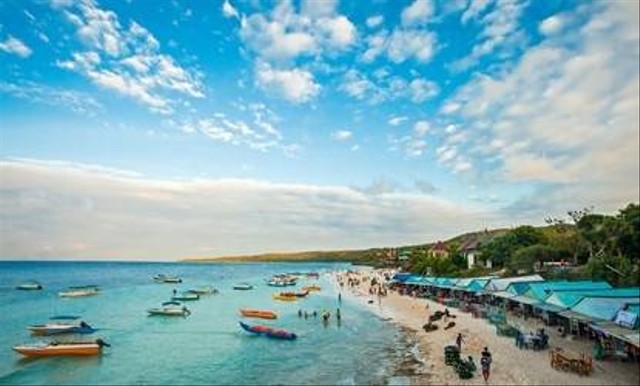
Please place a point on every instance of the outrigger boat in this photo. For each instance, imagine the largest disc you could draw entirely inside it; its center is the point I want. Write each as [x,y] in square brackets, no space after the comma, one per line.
[62,348]
[170,309]
[263,314]
[185,297]
[79,291]
[30,286]
[268,331]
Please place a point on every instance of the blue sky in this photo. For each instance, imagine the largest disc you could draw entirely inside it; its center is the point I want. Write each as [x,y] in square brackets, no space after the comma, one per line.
[410,121]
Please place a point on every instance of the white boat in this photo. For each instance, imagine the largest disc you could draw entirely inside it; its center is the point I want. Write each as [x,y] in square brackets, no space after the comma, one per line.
[75,292]
[30,286]
[162,278]
[243,286]
[169,309]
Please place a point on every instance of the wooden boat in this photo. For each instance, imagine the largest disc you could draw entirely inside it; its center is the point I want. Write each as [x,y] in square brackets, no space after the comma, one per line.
[311,288]
[30,286]
[263,314]
[185,297]
[62,348]
[296,294]
[79,291]
[243,286]
[162,278]
[169,309]
[277,283]
[287,298]
[268,331]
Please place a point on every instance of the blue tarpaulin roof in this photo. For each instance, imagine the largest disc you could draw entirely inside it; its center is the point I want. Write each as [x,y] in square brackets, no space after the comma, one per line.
[502,284]
[602,308]
[541,291]
[568,299]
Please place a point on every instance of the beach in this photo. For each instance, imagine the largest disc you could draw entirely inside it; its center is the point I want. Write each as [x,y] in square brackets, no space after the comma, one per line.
[510,365]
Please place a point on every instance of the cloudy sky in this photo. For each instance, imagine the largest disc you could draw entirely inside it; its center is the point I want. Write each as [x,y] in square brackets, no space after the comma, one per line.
[163,130]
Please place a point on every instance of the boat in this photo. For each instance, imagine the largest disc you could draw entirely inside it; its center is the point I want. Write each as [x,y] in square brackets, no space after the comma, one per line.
[277,283]
[162,278]
[268,331]
[79,291]
[30,286]
[295,294]
[170,309]
[263,314]
[243,286]
[56,328]
[203,291]
[185,297]
[313,274]
[287,298]
[62,348]
[311,288]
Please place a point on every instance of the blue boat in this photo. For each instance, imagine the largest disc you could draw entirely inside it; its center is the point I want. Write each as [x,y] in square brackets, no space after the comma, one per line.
[269,332]
[57,328]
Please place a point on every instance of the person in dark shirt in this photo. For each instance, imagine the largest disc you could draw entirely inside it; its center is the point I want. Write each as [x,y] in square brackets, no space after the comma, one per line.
[485,363]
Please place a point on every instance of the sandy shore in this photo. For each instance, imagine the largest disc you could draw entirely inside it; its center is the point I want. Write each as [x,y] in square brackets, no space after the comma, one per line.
[511,366]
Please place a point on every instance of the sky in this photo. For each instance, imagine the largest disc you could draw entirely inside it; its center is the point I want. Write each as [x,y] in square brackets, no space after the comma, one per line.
[169,129]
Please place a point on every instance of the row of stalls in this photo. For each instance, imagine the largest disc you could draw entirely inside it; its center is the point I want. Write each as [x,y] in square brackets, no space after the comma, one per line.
[586,308]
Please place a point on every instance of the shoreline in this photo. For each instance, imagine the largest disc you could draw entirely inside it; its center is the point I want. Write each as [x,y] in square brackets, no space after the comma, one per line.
[511,365]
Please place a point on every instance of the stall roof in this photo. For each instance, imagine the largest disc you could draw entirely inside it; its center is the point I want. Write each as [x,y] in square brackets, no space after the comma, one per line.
[541,291]
[502,284]
[502,294]
[575,315]
[612,329]
[602,308]
[549,307]
[569,298]
[524,300]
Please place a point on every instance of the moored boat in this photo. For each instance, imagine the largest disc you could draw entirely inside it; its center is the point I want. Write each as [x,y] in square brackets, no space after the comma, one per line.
[169,309]
[79,291]
[243,286]
[62,348]
[58,328]
[185,297]
[29,286]
[311,288]
[287,298]
[203,291]
[263,314]
[269,331]
[162,278]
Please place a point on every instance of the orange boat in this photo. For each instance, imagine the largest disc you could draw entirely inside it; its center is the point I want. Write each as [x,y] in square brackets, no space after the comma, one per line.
[310,288]
[62,349]
[263,314]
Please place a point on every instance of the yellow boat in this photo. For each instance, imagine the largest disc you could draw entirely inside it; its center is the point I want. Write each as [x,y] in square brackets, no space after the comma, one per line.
[264,314]
[287,298]
[62,349]
[310,288]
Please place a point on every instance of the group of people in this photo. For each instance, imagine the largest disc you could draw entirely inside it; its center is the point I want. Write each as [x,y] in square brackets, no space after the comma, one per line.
[326,315]
[539,339]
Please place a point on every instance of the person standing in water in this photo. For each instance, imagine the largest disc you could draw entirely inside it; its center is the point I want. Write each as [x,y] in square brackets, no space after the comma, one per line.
[339,297]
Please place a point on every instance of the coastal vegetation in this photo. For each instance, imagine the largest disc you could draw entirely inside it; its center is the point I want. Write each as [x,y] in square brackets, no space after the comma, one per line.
[584,244]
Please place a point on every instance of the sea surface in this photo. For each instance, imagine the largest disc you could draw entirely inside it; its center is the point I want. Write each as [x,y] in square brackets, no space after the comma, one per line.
[208,347]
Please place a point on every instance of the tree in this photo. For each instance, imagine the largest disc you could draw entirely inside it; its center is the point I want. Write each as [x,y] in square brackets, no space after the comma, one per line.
[525,258]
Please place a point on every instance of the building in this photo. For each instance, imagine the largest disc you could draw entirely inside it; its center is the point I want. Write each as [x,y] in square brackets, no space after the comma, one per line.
[439,250]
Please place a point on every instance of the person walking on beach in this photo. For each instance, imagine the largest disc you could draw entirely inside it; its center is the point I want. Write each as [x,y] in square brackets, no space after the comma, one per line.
[485,363]
[459,342]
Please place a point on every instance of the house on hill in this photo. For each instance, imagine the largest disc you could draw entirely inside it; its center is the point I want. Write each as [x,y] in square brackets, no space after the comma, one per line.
[439,250]
[470,250]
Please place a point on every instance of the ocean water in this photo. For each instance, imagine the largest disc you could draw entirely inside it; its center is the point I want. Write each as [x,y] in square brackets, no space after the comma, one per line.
[208,347]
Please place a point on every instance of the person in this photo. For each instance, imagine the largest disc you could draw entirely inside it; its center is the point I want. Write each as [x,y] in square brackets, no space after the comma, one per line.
[315,313]
[338,314]
[306,314]
[472,365]
[485,363]
[175,291]
[446,312]
[83,324]
[299,313]
[339,297]
[459,342]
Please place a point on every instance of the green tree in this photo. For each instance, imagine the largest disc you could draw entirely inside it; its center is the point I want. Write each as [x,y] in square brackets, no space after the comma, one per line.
[526,257]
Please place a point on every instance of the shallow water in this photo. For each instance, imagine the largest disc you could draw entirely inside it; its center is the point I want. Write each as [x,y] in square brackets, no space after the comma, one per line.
[207,347]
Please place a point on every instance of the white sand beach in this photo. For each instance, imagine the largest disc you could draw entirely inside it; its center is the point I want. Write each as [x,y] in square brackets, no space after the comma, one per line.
[511,365]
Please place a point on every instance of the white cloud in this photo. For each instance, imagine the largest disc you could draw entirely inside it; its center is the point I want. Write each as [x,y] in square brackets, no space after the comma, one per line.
[15,46]
[501,30]
[407,44]
[418,13]
[49,209]
[546,123]
[449,108]
[319,8]
[397,120]
[340,31]
[474,9]
[551,25]
[422,89]
[36,93]
[341,135]
[228,10]
[374,21]
[420,128]
[294,85]
[128,61]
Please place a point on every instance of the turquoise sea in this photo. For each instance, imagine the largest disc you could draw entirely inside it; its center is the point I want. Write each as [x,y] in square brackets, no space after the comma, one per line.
[207,347]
